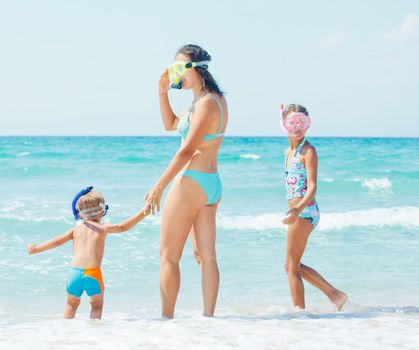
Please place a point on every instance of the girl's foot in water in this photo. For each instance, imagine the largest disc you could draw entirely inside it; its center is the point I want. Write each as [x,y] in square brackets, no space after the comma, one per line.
[338,300]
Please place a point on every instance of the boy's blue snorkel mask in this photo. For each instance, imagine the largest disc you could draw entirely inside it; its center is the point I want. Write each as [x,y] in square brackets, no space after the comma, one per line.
[179,69]
[88,213]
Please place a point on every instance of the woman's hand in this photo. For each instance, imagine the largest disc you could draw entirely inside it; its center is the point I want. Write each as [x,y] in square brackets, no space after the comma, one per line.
[153,198]
[164,82]
[291,216]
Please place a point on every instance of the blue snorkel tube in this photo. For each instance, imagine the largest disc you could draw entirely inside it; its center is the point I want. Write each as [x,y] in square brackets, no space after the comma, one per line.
[176,85]
[75,200]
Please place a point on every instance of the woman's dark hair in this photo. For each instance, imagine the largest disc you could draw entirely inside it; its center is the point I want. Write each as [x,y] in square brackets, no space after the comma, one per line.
[197,54]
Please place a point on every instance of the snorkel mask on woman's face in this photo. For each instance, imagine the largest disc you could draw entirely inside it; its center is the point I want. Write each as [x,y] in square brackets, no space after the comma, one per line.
[178,70]
[295,124]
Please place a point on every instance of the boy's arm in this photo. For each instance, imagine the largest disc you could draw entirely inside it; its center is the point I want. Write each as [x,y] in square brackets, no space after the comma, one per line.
[127,224]
[52,243]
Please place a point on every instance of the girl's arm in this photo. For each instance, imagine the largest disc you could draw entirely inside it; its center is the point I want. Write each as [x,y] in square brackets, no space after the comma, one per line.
[168,116]
[127,224]
[311,162]
[52,243]
[200,126]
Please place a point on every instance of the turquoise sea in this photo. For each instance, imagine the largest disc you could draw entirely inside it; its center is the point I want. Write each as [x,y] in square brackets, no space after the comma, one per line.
[366,244]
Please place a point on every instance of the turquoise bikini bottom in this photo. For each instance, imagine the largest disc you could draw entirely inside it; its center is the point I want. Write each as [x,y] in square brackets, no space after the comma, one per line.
[209,182]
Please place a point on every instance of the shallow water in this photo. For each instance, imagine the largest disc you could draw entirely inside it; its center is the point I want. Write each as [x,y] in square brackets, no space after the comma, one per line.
[367,236]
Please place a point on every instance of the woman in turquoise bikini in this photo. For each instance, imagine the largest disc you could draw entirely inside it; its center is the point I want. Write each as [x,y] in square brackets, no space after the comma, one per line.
[191,203]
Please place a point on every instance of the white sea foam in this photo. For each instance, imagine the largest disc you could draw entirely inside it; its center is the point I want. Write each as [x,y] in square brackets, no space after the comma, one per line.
[379,185]
[386,329]
[31,210]
[382,185]
[377,217]
[250,156]
[23,154]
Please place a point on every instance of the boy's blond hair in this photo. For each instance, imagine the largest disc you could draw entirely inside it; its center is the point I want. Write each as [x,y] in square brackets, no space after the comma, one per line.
[90,200]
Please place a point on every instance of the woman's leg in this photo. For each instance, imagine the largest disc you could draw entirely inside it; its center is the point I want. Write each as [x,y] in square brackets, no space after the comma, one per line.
[297,237]
[204,249]
[71,306]
[194,246]
[184,200]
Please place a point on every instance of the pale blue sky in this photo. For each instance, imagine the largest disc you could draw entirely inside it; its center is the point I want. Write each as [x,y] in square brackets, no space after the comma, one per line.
[91,67]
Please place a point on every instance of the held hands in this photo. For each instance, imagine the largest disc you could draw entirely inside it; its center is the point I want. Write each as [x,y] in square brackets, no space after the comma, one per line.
[291,216]
[146,210]
[164,82]
[32,249]
[153,198]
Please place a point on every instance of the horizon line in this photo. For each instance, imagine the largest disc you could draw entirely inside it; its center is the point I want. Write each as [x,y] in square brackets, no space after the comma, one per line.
[226,136]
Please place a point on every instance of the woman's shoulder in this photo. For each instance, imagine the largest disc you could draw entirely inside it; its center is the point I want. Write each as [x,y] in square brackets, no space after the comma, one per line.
[210,103]
[212,98]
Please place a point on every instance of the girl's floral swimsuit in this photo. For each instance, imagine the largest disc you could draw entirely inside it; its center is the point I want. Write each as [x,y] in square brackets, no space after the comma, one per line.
[296,185]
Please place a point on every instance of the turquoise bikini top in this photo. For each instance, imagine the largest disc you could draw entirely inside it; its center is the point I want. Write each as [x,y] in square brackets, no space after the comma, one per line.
[184,125]
[295,175]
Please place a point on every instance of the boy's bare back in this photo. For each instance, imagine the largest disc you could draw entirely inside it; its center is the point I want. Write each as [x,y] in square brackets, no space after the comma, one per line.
[88,244]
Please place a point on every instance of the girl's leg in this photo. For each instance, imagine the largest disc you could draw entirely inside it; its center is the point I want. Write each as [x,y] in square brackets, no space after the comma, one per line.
[96,302]
[296,242]
[297,237]
[337,297]
[204,230]
[184,200]
[71,306]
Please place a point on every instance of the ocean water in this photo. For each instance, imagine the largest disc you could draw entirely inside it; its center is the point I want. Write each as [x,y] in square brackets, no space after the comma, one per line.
[366,244]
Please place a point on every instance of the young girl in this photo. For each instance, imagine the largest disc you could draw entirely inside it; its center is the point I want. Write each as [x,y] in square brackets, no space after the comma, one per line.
[304,214]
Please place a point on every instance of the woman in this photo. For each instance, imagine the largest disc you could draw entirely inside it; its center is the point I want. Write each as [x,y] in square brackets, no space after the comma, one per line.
[192,201]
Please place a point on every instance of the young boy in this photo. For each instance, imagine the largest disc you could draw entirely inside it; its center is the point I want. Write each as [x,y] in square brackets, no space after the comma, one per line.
[88,248]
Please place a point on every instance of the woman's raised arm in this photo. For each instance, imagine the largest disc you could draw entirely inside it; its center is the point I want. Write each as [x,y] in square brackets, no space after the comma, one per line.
[169,118]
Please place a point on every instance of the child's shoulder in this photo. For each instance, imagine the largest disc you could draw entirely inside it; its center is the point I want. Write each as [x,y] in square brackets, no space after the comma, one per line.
[308,148]
[90,226]
[309,145]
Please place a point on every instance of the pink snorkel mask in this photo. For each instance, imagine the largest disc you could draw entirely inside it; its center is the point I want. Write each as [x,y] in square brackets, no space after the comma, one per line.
[295,124]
